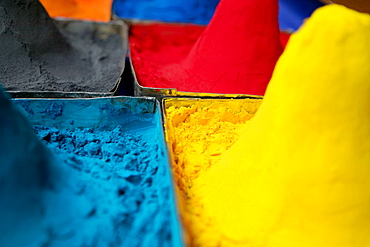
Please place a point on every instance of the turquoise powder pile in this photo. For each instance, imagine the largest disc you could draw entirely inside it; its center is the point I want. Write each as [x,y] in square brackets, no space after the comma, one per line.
[123,185]
[96,173]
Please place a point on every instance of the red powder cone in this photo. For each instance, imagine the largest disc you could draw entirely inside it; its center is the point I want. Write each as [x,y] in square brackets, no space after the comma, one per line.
[236,53]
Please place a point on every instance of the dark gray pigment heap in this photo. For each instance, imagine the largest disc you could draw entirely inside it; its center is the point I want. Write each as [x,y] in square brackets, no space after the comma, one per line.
[36,55]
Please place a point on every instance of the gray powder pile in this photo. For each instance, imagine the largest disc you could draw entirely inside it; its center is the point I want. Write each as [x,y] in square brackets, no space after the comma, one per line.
[40,54]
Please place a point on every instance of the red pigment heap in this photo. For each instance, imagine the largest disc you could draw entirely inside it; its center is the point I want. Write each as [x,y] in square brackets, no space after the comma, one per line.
[236,53]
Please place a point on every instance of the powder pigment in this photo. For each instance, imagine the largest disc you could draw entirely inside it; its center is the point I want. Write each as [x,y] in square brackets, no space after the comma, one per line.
[191,11]
[298,173]
[107,185]
[240,62]
[97,10]
[38,55]
[199,132]
[124,186]
[291,13]
[157,45]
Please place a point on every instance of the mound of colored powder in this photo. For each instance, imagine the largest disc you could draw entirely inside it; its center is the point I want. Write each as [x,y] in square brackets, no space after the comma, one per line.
[153,46]
[123,187]
[291,13]
[298,175]
[116,189]
[38,54]
[235,53]
[199,132]
[190,11]
[104,185]
[97,10]
[157,45]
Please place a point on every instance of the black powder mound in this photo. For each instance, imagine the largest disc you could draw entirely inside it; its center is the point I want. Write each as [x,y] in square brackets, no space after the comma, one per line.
[38,53]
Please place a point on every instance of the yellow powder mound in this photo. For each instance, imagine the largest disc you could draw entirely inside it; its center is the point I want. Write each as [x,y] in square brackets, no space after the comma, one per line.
[97,10]
[198,132]
[300,174]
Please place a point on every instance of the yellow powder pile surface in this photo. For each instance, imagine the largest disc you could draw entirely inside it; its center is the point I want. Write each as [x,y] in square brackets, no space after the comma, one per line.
[298,173]
[198,133]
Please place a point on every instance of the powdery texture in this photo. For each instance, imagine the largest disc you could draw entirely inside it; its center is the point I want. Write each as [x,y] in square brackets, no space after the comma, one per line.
[154,46]
[236,53]
[98,10]
[291,12]
[36,55]
[190,11]
[121,189]
[199,133]
[298,176]
[101,186]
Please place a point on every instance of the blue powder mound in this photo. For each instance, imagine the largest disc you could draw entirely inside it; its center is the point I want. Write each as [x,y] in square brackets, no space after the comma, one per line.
[119,183]
[96,173]
[187,11]
[291,12]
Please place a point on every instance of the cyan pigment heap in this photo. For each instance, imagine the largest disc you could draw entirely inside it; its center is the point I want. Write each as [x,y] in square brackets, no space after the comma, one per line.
[71,185]
[123,188]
